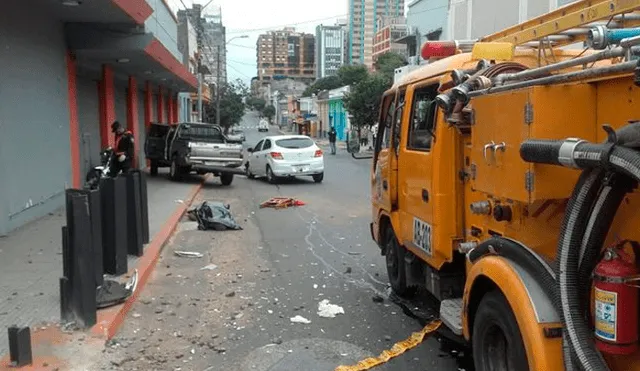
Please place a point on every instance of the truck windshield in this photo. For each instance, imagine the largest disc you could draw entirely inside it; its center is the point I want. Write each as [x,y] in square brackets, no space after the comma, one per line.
[202,132]
[294,143]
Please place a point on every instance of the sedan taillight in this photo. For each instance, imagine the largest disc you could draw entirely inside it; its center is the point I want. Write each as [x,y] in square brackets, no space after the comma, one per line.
[318,153]
[277,156]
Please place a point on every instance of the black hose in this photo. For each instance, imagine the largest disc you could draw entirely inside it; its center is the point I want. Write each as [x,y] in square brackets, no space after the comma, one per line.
[541,151]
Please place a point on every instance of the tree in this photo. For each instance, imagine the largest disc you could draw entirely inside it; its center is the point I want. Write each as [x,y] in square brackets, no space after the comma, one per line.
[257,103]
[325,83]
[387,64]
[352,74]
[231,105]
[268,112]
[363,101]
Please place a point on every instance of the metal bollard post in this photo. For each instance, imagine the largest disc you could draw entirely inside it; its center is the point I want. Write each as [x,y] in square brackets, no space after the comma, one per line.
[20,346]
[114,225]
[144,207]
[134,215]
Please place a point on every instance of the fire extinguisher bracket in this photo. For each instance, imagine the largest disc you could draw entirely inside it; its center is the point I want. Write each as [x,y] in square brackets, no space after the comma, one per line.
[629,281]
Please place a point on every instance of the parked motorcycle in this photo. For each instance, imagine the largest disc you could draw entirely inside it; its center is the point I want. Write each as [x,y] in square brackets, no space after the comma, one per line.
[92,180]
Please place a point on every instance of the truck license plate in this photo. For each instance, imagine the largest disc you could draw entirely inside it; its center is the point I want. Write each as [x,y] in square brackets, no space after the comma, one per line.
[422,235]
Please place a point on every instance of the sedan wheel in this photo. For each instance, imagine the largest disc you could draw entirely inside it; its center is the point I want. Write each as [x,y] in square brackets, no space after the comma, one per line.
[271,178]
[250,175]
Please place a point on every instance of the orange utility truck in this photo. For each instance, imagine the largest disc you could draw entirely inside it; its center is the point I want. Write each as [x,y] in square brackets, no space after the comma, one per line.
[504,181]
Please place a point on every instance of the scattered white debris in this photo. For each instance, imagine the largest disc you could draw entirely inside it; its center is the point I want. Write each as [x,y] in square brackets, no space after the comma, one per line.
[341,238]
[179,201]
[299,319]
[193,351]
[136,315]
[328,310]
[188,254]
[315,286]
[269,311]
[209,267]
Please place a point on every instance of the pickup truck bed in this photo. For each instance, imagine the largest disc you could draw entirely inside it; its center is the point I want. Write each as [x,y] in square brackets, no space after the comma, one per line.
[193,147]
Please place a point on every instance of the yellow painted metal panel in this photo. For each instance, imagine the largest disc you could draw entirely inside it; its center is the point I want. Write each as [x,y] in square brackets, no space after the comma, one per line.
[501,51]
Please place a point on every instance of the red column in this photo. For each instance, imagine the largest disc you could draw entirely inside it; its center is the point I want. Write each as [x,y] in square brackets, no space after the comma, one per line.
[74,125]
[132,115]
[175,110]
[169,107]
[160,105]
[107,106]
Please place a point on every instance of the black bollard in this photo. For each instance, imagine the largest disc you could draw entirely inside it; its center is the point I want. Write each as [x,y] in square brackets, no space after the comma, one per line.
[95,211]
[20,346]
[81,285]
[144,207]
[134,214]
[113,192]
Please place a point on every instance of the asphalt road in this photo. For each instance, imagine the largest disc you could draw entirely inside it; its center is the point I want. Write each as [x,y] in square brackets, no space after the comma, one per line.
[237,315]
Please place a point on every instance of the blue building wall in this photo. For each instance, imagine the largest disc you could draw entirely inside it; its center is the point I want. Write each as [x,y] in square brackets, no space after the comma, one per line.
[338,117]
[34,123]
[426,16]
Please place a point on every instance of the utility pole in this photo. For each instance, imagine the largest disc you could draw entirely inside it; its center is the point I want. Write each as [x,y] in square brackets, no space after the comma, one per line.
[199,88]
[218,88]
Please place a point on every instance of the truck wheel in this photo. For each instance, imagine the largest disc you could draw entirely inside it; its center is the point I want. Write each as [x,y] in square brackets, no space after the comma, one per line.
[226,178]
[394,255]
[175,171]
[153,168]
[496,339]
[271,178]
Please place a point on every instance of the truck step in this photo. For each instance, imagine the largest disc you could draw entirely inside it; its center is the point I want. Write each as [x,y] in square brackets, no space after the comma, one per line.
[451,314]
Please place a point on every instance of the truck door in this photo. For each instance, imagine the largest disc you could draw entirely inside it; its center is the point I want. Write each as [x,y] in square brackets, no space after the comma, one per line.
[156,142]
[415,171]
[384,180]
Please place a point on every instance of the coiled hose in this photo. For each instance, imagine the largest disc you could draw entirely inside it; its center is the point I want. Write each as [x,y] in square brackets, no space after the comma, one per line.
[611,171]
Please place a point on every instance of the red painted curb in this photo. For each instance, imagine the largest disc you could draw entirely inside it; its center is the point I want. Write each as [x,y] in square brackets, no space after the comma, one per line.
[111,319]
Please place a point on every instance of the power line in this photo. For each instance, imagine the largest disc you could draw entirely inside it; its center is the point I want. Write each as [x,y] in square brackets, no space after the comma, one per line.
[284,25]
[243,63]
[238,71]
[243,46]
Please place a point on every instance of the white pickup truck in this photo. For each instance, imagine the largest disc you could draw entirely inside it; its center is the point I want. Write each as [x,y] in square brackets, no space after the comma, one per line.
[193,147]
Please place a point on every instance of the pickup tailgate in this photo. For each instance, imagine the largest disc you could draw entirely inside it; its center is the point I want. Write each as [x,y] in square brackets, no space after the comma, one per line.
[215,152]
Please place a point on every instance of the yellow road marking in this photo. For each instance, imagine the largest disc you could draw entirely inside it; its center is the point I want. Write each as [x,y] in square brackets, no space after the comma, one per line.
[397,349]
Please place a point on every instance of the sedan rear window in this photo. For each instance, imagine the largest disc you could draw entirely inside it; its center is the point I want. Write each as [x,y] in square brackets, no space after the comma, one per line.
[294,143]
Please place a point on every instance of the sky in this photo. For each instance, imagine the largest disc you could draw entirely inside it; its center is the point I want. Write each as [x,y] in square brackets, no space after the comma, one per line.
[254,17]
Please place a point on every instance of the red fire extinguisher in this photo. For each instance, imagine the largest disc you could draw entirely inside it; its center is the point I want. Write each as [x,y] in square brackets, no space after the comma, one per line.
[616,303]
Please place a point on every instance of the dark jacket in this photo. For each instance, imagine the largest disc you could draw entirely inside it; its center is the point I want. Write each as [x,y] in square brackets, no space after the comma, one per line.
[124,145]
[332,136]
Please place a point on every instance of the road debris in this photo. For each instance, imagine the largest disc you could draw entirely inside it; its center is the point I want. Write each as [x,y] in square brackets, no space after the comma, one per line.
[209,267]
[377,299]
[328,310]
[299,319]
[213,216]
[188,254]
[281,203]
[397,349]
[112,293]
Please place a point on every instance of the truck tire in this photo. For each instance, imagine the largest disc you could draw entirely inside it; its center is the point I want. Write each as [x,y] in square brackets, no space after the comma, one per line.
[394,256]
[496,339]
[175,171]
[226,178]
[153,167]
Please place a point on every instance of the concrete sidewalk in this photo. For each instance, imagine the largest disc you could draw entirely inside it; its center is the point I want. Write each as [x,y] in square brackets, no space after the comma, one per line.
[31,259]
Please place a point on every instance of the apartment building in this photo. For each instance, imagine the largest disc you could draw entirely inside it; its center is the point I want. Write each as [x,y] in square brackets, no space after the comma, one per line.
[329,50]
[363,16]
[286,54]
[390,30]
[214,48]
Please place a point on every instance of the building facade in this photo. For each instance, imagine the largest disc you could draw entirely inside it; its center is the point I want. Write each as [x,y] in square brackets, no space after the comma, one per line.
[426,20]
[390,31]
[214,52]
[363,16]
[470,19]
[329,50]
[286,54]
[86,66]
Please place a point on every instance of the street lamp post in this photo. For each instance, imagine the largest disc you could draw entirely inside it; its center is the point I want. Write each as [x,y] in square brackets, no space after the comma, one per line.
[218,76]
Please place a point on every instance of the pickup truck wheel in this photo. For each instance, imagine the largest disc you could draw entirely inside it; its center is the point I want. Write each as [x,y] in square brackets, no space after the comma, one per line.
[271,178]
[394,256]
[175,171]
[153,168]
[496,339]
[226,178]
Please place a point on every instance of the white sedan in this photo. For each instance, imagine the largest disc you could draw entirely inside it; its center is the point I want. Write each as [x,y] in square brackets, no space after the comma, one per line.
[286,156]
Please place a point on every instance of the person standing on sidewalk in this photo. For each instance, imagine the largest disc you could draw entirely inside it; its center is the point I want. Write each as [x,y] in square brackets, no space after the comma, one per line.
[124,150]
[332,139]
